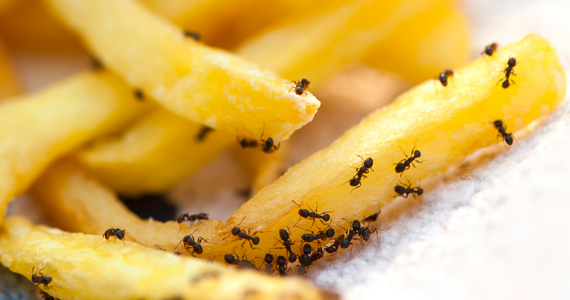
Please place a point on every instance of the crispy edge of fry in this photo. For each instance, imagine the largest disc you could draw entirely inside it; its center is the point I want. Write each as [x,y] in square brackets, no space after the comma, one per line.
[82,265]
[153,154]
[206,85]
[38,128]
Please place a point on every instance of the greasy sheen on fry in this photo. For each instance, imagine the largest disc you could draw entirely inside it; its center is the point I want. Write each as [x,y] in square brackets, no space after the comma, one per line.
[206,85]
[445,123]
[154,153]
[38,128]
[381,33]
[88,267]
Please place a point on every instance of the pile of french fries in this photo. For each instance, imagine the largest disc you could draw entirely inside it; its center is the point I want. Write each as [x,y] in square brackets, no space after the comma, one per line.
[162,104]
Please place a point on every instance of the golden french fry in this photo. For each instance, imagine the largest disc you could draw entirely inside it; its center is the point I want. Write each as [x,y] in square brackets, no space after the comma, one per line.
[228,26]
[153,154]
[8,83]
[444,123]
[88,267]
[361,29]
[206,85]
[27,26]
[38,128]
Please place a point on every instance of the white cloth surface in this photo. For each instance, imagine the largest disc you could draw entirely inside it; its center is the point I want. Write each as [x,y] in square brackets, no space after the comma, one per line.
[503,232]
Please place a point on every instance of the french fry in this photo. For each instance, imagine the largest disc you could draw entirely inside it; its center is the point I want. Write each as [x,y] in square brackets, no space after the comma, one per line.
[88,267]
[363,30]
[8,83]
[153,154]
[445,123]
[225,23]
[38,128]
[206,85]
[261,168]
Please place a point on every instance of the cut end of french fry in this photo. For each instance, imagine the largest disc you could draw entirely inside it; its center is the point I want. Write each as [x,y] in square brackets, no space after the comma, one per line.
[87,266]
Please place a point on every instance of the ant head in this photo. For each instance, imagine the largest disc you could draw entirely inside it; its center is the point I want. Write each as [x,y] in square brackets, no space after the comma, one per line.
[356,225]
[355,181]
[506,84]
[419,191]
[305,81]
[120,233]
[512,62]
[203,216]
[326,217]
[489,50]
[236,231]
[307,249]
[229,258]
[243,143]
[509,139]
[283,234]
[299,90]
[366,234]
[188,239]
[330,232]
[304,213]
[281,261]
[400,168]
[269,258]
[417,154]
[255,240]
[368,162]
[400,190]
[181,218]
[498,123]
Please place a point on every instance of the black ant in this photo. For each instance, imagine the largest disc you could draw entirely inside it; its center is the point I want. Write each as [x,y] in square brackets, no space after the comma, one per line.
[364,169]
[245,143]
[508,72]
[192,218]
[507,137]
[281,265]
[241,234]
[300,86]
[192,34]
[203,133]
[312,214]
[116,232]
[321,235]
[268,146]
[139,94]
[443,76]
[318,254]
[240,263]
[404,164]
[189,241]
[490,49]
[405,191]
[286,242]
[269,259]
[39,278]
[352,231]
[372,218]
[365,232]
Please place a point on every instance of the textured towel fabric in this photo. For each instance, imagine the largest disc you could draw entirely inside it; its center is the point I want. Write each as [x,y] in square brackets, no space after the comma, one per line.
[501,233]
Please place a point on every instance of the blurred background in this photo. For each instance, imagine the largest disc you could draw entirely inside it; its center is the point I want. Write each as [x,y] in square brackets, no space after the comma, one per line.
[499,232]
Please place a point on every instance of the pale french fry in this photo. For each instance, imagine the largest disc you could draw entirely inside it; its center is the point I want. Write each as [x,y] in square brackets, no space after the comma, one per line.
[27,26]
[73,200]
[8,84]
[360,29]
[88,267]
[153,154]
[38,128]
[225,23]
[206,85]
[445,123]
